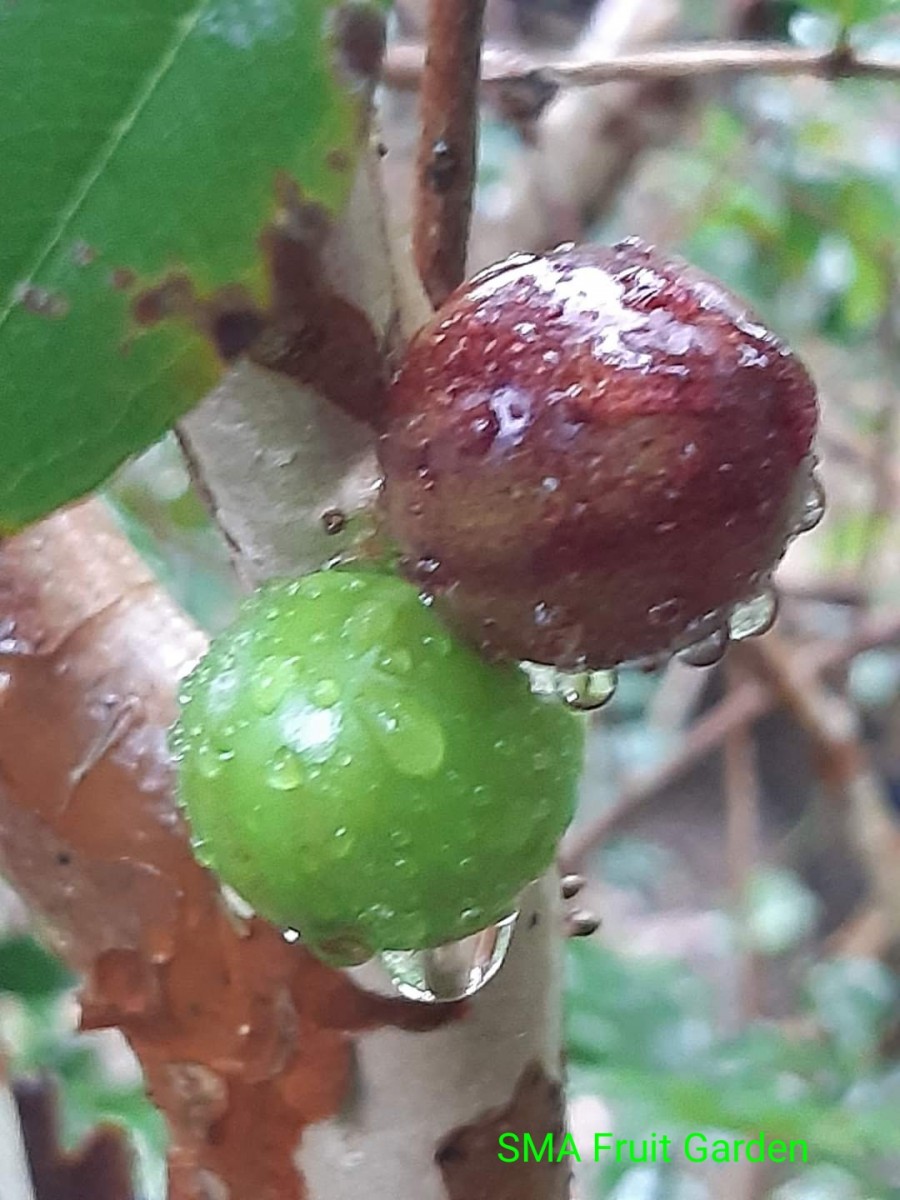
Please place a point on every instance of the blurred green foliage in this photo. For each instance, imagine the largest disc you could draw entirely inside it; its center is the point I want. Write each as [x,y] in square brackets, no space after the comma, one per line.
[645,1037]
[98,1081]
[853,12]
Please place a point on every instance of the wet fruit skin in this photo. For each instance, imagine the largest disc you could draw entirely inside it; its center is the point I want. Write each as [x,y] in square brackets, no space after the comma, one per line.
[586,452]
[354,772]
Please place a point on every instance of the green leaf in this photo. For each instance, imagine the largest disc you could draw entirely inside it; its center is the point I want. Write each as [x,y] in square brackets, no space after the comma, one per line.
[853,12]
[150,142]
[28,970]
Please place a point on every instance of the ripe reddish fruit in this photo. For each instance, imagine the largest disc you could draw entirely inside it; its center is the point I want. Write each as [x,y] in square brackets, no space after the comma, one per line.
[590,457]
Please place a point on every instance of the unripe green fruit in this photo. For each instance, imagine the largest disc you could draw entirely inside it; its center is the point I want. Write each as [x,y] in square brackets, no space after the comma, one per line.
[355,773]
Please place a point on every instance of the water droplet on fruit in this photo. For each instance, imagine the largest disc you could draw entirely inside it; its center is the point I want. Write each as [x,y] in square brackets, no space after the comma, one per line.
[343,841]
[342,949]
[708,651]
[425,568]
[272,680]
[326,693]
[284,772]
[586,690]
[668,610]
[454,971]
[541,678]
[371,623]
[202,852]
[397,662]
[753,617]
[411,738]
[209,761]
[581,690]
[813,509]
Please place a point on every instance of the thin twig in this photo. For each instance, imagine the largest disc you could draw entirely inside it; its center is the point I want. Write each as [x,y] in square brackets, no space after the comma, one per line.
[742,803]
[742,706]
[825,719]
[404,65]
[849,778]
[447,158]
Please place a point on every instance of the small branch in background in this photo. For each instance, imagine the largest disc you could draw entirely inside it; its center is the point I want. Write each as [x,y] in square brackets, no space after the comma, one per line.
[98,1169]
[447,159]
[824,717]
[746,704]
[404,66]
[846,771]
[582,151]
[740,707]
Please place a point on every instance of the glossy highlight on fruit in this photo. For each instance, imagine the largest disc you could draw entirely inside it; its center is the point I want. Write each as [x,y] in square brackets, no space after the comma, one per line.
[596,456]
[355,773]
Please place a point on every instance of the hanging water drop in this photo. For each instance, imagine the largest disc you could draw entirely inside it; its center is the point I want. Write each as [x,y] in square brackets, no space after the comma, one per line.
[271,682]
[209,761]
[284,771]
[813,508]
[343,841]
[753,617]
[453,971]
[708,651]
[326,693]
[586,691]
[541,678]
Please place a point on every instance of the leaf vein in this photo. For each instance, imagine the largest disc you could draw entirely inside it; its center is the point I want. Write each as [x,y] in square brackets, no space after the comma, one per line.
[183,30]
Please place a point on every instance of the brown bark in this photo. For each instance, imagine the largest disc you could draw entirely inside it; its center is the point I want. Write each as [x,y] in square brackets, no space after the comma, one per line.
[446,164]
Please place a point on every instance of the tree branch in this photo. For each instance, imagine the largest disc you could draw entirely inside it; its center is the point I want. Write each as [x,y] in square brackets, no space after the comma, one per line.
[448,143]
[404,65]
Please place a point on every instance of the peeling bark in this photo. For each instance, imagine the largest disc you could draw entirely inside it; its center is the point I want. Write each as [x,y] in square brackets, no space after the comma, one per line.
[468,1157]
[275,459]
